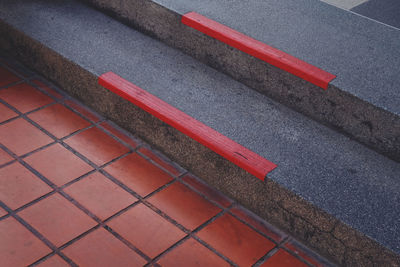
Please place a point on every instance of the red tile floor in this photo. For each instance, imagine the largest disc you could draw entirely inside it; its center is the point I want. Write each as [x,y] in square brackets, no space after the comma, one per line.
[76,190]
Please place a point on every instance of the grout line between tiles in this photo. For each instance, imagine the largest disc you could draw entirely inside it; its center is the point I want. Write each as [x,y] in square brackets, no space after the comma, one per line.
[59,190]
[191,234]
[281,245]
[37,234]
[176,166]
[143,200]
[298,256]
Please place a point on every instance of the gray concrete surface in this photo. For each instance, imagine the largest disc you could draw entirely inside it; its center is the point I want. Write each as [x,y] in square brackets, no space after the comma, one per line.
[385,11]
[352,183]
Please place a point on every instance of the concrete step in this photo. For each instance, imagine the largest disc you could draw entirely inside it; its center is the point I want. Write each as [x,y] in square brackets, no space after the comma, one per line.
[362,101]
[331,192]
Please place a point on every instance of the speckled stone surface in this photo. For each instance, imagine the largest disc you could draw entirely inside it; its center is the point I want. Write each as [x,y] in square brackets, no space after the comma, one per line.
[325,184]
[359,51]
[362,102]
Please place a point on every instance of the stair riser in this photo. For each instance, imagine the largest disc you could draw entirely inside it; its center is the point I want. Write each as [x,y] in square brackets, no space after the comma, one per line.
[298,217]
[372,126]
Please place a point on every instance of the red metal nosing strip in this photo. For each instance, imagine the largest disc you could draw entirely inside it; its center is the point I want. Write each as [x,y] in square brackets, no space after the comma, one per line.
[232,151]
[258,49]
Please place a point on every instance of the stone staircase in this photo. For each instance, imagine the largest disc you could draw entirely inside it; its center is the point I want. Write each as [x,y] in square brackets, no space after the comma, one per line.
[336,186]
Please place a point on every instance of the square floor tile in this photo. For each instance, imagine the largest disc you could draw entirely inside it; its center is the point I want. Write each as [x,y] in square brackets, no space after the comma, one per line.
[19,186]
[138,174]
[24,97]
[4,157]
[283,259]
[83,110]
[304,253]
[6,113]
[100,248]
[100,195]
[59,120]
[119,134]
[58,164]
[236,240]
[146,230]
[47,89]
[18,246]
[184,205]
[163,163]
[7,77]
[57,219]
[192,253]
[206,190]
[22,137]
[97,146]
[54,261]
[257,223]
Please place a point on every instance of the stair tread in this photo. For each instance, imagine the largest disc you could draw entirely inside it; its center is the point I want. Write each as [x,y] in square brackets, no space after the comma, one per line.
[361,52]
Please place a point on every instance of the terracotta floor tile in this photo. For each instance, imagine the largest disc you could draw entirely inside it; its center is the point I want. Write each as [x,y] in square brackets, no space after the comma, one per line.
[47,89]
[208,191]
[24,97]
[18,186]
[22,137]
[146,230]
[59,120]
[97,146]
[192,253]
[3,212]
[57,219]
[295,247]
[83,110]
[151,155]
[7,77]
[100,248]
[257,223]
[138,174]
[100,195]
[58,164]
[6,113]
[54,261]
[235,240]
[4,157]
[119,134]
[184,205]
[283,259]
[18,246]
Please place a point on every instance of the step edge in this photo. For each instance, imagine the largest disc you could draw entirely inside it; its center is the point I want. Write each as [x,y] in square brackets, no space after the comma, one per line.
[212,139]
[262,51]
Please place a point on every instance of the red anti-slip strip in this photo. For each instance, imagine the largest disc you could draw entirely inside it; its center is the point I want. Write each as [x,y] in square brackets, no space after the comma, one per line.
[258,49]
[232,151]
